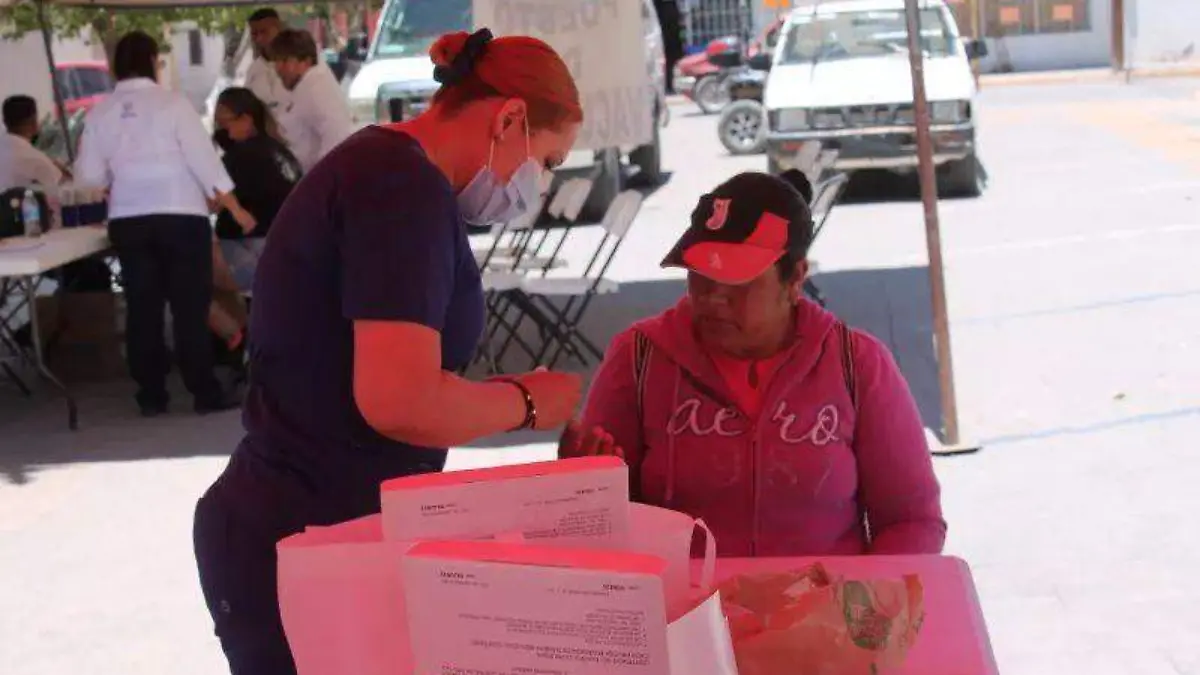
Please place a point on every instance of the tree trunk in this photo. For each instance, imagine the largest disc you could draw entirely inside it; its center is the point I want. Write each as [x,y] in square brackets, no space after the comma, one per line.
[104,30]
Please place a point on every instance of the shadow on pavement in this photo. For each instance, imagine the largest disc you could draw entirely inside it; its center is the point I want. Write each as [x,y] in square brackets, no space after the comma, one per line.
[892,304]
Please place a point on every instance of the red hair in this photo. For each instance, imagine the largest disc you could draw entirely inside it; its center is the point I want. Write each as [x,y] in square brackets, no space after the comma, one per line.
[511,67]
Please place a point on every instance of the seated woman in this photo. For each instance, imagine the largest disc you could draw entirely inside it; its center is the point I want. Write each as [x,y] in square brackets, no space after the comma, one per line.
[754,409]
[263,171]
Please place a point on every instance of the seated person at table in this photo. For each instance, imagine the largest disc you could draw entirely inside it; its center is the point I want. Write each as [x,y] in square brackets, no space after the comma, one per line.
[263,171]
[22,164]
[756,410]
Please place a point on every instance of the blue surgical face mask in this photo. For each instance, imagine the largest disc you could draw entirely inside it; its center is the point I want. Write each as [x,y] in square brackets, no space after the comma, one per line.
[485,200]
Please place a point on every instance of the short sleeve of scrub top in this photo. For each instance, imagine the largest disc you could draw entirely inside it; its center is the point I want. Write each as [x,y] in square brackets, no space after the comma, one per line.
[372,232]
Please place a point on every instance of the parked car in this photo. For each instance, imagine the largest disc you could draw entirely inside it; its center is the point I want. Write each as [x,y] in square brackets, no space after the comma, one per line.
[743,124]
[82,84]
[841,77]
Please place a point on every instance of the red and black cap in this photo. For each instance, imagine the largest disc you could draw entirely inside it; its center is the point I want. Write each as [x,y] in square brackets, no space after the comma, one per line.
[744,226]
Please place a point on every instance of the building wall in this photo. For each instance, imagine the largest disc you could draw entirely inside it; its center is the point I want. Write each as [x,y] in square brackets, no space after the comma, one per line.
[1162,33]
[1031,35]
[1022,35]
[195,78]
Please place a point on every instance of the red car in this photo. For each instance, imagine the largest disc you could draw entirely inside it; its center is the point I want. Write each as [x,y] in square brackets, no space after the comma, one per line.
[82,84]
[692,72]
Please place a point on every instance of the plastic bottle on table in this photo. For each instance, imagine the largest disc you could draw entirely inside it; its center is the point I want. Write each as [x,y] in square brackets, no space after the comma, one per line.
[31,214]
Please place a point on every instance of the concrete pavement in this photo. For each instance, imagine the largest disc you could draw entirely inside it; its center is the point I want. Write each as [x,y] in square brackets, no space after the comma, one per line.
[1075,311]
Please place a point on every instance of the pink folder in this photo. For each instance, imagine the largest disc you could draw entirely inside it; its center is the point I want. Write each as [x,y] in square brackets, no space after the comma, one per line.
[575,502]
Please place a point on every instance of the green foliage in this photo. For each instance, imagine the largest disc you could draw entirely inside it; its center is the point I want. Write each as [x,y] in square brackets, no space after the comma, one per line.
[70,22]
[108,24]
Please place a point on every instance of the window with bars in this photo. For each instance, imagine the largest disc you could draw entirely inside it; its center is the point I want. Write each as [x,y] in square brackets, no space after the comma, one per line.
[195,48]
[1035,17]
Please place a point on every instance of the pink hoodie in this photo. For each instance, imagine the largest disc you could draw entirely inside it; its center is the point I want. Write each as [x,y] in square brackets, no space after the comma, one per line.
[798,480]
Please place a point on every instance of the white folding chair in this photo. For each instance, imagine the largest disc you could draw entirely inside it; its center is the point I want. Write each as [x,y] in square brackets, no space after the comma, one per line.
[539,297]
[825,196]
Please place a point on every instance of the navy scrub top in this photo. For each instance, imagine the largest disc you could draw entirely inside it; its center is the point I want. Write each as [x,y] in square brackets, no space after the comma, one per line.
[372,232]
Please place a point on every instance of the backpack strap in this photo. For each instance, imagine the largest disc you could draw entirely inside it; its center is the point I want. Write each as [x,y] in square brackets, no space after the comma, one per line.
[642,348]
[846,336]
[641,362]
[847,339]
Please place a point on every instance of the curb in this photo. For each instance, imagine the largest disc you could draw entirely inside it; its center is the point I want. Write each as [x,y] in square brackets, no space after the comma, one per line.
[1093,75]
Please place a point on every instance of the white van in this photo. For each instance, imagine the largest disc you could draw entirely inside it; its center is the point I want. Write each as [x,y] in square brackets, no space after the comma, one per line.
[840,75]
[396,82]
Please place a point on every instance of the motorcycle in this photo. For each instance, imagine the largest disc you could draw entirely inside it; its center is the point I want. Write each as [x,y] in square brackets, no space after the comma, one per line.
[703,77]
[743,124]
[711,91]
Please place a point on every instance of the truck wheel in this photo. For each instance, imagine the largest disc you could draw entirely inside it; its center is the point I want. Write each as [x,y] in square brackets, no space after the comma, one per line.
[606,185]
[961,178]
[743,129]
[648,160]
[710,94]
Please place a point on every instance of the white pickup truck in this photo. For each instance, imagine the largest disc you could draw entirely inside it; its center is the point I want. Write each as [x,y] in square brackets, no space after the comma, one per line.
[396,81]
[840,76]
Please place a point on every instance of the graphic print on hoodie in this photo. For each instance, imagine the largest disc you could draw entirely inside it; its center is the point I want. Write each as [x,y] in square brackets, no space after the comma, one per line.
[796,478]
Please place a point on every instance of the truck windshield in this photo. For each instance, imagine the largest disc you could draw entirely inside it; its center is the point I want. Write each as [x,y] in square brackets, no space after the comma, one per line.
[849,35]
[409,27]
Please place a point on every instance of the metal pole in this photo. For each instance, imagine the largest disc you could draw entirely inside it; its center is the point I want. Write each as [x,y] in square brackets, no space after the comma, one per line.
[933,237]
[48,43]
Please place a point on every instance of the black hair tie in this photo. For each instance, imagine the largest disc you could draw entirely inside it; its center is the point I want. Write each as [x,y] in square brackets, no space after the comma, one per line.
[465,61]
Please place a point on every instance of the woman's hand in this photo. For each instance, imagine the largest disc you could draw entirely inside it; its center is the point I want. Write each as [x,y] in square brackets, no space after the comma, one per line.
[555,396]
[245,219]
[576,442]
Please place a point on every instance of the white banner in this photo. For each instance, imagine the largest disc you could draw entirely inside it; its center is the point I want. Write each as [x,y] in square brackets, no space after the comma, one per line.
[603,44]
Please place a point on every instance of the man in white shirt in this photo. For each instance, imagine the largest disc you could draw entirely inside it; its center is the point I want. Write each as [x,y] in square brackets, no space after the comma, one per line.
[148,146]
[261,77]
[319,117]
[22,164]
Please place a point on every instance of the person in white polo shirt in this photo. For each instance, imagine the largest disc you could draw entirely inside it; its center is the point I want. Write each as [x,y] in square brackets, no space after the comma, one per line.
[261,77]
[148,146]
[319,116]
[22,164]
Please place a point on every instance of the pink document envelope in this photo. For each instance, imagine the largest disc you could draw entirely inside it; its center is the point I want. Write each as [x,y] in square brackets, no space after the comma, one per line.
[341,600]
[510,608]
[575,502]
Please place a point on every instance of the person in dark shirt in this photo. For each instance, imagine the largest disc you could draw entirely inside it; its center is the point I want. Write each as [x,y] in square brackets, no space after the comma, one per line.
[367,300]
[263,171]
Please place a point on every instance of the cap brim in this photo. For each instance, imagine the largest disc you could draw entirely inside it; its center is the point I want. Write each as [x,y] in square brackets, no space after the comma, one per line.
[723,262]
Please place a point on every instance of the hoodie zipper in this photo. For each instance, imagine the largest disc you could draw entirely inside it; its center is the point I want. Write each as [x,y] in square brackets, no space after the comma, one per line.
[756,474]
[755,425]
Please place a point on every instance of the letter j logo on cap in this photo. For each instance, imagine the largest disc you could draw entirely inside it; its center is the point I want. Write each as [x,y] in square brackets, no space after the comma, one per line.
[719,214]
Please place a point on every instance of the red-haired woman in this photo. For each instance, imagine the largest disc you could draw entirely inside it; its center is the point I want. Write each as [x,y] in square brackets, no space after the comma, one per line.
[367,299]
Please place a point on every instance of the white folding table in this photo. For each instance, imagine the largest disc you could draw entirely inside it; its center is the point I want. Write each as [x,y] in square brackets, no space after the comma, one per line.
[24,263]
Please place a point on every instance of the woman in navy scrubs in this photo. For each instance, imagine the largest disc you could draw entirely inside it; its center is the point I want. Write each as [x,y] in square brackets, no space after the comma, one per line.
[367,299]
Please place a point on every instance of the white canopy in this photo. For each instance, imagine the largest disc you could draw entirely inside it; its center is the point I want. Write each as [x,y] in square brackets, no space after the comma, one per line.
[153,4]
